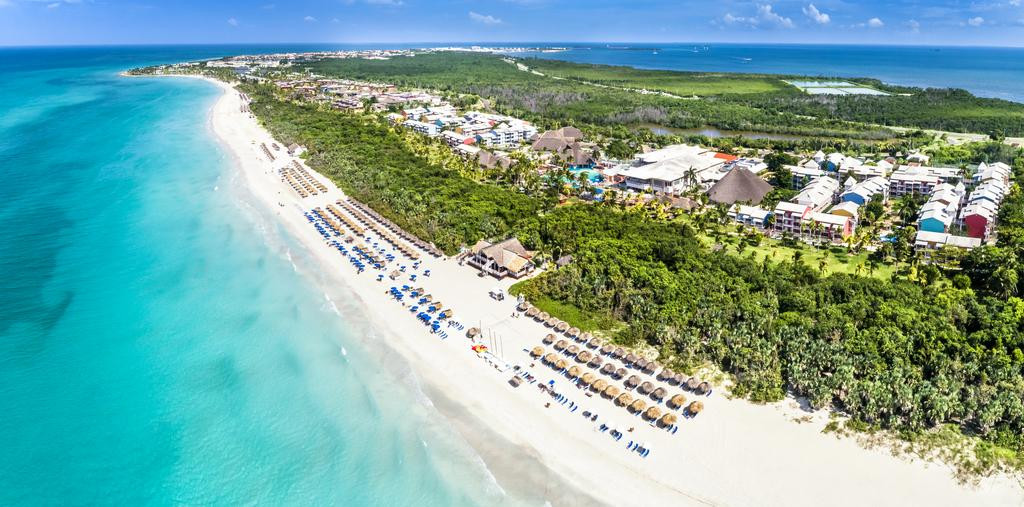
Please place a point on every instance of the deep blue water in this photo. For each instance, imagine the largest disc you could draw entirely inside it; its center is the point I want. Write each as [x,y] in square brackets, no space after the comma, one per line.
[987,72]
[157,346]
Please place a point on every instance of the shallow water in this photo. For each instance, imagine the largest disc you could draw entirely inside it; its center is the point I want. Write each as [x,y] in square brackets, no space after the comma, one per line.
[158,344]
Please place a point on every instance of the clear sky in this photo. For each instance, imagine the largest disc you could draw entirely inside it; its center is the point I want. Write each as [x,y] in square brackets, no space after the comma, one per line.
[939,22]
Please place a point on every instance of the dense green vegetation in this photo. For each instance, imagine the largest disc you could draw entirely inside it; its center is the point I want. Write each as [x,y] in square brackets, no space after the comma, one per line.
[550,102]
[906,354]
[939,109]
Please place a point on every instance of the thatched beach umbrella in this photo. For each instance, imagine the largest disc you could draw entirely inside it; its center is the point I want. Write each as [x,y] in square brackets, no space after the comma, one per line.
[631,382]
[695,408]
[652,413]
[692,383]
[599,385]
[640,364]
[595,361]
[607,349]
[703,388]
[624,399]
[537,351]
[676,401]
[645,388]
[532,312]
[587,378]
[573,332]
[549,339]
[666,374]
[583,356]
[561,364]
[561,326]
[659,394]
[608,369]
[550,358]
[620,372]
[630,359]
[611,392]
[619,352]
[677,379]
[651,367]
[574,371]
[667,420]
[586,337]
[550,322]
[637,406]
[542,316]
[473,332]
[522,306]
[561,344]
[572,350]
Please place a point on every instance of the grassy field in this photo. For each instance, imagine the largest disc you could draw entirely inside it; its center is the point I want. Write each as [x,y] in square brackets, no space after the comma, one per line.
[679,83]
[837,259]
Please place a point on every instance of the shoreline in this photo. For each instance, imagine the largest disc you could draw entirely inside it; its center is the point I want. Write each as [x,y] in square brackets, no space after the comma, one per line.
[736,453]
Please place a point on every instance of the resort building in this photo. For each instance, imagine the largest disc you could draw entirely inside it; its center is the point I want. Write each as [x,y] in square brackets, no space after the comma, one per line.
[818,194]
[979,219]
[752,216]
[803,174]
[912,180]
[739,186]
[508,258]
[789,216]
[847,209]
[454,139]
[862,193]
[927,242]
[828,226]
[994,172]
[425,128]
[674,169]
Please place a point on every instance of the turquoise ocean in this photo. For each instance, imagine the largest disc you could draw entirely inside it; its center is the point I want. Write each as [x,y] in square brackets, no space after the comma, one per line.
[161,342]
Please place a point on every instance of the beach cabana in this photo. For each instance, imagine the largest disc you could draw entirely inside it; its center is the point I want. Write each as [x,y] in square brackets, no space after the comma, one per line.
[645,388]
[652,413]
[637,406]
[667,420]
[692,383]
[624,399]
[607,349]
[608,369]
[703,388]
[583,356]
[610,392]
[695,408]
[599,385]
[676,401]
[659,394]
[561,344]
[549,339]
[537,351]
[595,362]
[574,371]
[631,382]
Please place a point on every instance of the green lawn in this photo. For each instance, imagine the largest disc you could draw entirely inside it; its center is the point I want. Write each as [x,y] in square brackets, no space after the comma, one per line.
[837,258]
[679,83]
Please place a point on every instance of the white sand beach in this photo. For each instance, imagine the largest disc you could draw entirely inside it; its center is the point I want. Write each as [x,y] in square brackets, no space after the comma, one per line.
[734,453]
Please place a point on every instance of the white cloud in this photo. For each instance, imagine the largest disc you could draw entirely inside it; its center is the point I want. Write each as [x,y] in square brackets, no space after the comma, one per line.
[1015,3]
[232,21]
[766,17]
[485,19]
[976,21]
[309,19]
[914,26]
[875,23]
[335,20]
[54,5]
[819,17]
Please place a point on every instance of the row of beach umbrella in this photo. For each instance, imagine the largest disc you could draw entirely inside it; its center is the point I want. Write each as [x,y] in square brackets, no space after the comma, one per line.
[429,248]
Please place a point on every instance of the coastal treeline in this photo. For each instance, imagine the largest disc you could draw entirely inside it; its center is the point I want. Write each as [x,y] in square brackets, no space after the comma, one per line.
[905,354]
